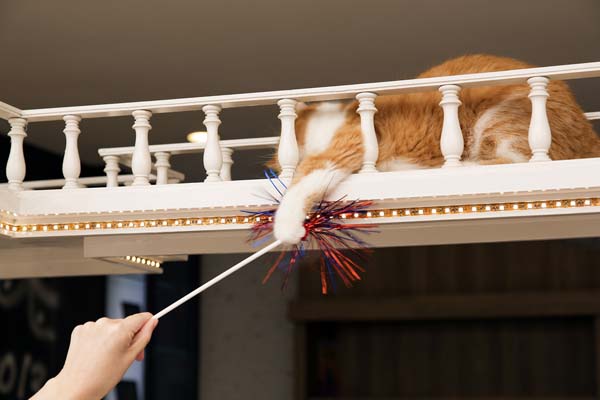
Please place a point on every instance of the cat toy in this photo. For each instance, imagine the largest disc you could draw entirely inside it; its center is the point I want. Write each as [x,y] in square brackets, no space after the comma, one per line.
[340,246]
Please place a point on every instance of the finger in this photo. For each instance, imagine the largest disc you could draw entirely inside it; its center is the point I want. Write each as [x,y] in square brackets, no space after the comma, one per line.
[140,356]
[143,336]
[76,331]
[134,322]
[88,325]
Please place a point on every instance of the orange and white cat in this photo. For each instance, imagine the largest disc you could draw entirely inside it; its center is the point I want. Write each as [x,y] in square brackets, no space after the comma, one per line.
[494,121]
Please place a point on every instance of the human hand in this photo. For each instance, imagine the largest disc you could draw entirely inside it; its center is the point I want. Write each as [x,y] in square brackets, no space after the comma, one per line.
[99,355]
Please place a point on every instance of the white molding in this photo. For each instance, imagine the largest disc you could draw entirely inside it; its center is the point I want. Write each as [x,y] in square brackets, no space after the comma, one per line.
[593,115]
[8,200]
[86,181]
[493,182]
[455,229]
[7,111]
[194,148]
[562,72]
[172,174]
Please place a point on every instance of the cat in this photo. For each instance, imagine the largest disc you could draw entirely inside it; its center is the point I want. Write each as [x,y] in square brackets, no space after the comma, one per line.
[494,122]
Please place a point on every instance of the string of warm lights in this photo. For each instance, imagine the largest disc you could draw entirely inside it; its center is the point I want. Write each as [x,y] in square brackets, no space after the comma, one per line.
[140,224]
[142,261]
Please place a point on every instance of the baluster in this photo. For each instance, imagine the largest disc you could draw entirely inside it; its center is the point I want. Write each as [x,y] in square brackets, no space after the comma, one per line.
[287,153]
[366,110]
[213,159]
[71,166]
[162,167]
[141,162]
[227,154]
[451,142]
[112,170]
[540,136]
[15,167]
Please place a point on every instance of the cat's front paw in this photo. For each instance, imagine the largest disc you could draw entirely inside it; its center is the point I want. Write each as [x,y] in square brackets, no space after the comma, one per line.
[289,234]
[289,224]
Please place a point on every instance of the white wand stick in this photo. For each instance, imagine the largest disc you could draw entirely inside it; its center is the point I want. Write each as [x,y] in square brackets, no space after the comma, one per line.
[217,279]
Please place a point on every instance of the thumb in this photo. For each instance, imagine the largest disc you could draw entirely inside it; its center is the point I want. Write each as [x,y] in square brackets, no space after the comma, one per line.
[144,335]
[135,322]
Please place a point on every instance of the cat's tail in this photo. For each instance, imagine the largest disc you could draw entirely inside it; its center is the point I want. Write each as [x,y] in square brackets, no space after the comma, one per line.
[315,177]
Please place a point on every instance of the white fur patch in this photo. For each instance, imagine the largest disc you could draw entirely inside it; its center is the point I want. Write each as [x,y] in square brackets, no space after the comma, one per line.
[504,150]
[483,122]
[289,218]
[398,164]
[322,124]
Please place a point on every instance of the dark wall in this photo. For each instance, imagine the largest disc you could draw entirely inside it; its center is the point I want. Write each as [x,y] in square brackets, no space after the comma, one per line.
[172,358]
[38,315]
[184,48]
[449,356]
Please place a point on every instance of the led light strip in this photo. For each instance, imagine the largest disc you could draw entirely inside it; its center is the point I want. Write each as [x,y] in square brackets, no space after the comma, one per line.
[144,224]
[142,261]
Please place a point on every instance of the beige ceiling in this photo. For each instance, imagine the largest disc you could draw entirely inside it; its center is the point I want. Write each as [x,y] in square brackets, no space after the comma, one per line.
[60,52]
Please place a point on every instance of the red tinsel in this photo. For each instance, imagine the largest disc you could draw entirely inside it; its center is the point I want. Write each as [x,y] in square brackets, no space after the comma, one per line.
[341,248]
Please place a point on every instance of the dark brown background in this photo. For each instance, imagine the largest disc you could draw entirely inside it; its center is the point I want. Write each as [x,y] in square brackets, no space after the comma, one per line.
[65,52]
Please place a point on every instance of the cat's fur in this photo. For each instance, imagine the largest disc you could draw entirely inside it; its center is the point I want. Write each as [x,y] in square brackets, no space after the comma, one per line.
[494,121]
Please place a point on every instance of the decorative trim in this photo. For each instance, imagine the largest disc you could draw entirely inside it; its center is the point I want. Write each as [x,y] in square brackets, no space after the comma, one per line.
[11,228]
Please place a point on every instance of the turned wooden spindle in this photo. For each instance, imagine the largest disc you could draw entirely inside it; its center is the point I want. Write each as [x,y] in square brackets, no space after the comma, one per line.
[287,153]
[162,167]
[213,159]
[451,142]
[227,154]
[71,166]
[15,167]
[112,170]
[540,136]
[366,110]
[141,162]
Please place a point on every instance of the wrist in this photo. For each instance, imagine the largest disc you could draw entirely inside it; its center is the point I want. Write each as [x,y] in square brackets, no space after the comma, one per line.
[59,388]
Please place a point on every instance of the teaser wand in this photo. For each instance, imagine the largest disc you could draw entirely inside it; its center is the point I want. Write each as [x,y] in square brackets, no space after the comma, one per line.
[217,279]
[326,229]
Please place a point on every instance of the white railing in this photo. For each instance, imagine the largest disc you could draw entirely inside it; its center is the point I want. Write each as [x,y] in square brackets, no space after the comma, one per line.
[91,181]
[163,152]
[215,157]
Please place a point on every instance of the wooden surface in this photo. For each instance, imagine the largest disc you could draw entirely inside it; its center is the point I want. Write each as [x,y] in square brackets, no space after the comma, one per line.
[486,321]
[480,306]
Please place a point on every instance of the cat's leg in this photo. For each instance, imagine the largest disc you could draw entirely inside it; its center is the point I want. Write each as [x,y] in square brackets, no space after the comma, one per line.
[291,214]
[315,176]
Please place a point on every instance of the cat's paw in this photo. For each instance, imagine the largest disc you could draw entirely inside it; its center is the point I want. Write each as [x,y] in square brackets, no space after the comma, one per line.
[289,234]
[289,224]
